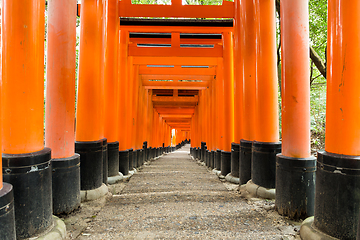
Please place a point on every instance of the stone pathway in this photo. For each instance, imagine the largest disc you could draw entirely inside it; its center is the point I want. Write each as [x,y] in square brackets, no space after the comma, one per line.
[174,197]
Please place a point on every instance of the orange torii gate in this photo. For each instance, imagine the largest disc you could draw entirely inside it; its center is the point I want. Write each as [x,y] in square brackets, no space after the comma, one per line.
[212,81]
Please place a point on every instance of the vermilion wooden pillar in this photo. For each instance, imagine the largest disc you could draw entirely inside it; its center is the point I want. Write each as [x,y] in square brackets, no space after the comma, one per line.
[124,105]
[248,61]
[111,87]
[337,180]
[135,114]
[213,124]
[245,27]
[219,112]
[129,105]
[110,69]
[238,88]
[89,86]
[228,72]
[60,105]
[22,111]
[89,132]
[207,126]
[60,84]
[202,124]
[295,198]
[266,125]
[150,120]
[125,89]
[238,75]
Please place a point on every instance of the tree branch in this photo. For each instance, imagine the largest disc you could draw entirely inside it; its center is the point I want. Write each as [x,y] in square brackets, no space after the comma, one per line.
[319,63]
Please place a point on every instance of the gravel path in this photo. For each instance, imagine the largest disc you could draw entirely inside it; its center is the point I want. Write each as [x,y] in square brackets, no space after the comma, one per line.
[174,197]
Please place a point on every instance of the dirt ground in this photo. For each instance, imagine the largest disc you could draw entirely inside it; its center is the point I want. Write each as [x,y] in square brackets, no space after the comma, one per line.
[174,197]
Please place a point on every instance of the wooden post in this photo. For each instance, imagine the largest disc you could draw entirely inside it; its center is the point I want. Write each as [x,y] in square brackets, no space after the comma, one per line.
[337,175]
[60,105]
[22,111]
[295,198]
[266,125]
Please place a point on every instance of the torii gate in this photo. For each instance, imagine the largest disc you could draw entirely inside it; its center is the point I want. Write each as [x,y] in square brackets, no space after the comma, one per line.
[232,115]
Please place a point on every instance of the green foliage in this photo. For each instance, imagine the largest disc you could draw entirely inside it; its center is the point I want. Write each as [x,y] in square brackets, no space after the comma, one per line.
[318,25]
[318,40]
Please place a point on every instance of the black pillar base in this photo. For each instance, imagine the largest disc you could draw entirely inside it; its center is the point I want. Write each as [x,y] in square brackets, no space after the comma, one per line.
[235,148]
[212,159]
[217,163]
[66,184]
[337,195]
[7,213]
[124,162]
[207,157]
[145,149]
[295,186]
[245,155]
[203,150]
[135,156]
[143,156]
[263,166]
[91,162]
[131,166]
[150,153]
[30,175]
[140,156]
[225,162]
[113,159]
[105,161]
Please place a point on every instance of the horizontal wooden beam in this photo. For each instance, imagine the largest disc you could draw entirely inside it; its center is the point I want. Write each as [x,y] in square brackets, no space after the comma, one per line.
[182,29]
[177,78]
[168,41]
[161,101]
[176,70]
[183,61]
[180,122]
[176,116]
[174,85]
[216,51]
[182,128]
[175,110]
[176,10]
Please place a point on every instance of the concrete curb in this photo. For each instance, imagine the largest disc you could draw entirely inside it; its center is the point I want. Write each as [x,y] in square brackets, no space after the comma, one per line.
[308,232]
[89,195]
[216,172]
[115,179]
[258,191]
[201,163]
[232,179]
[57,232]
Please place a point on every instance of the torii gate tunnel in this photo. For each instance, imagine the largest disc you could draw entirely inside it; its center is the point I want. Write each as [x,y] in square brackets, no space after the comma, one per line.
[154,77]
